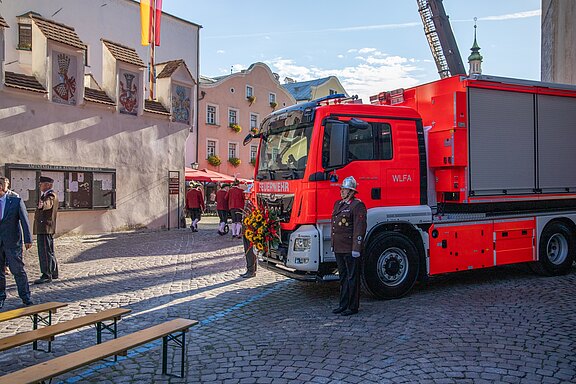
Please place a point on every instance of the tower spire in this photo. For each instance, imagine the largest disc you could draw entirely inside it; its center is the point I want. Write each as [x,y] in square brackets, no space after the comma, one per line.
[475,58]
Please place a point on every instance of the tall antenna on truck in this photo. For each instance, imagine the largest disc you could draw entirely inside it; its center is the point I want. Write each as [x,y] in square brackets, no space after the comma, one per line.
[440,38]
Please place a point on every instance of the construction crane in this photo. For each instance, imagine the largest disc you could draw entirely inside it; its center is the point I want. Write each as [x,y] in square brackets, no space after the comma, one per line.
[440,38]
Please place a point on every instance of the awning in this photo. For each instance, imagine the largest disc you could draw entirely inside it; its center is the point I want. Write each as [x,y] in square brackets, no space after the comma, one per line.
[206,175]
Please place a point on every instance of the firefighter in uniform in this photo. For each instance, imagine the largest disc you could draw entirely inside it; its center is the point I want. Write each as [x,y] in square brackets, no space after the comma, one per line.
[348,231]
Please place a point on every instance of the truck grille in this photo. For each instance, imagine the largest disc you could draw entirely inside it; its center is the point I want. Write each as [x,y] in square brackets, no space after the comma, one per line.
[281,205]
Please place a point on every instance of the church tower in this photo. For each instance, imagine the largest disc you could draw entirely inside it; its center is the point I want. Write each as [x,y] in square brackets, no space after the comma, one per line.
[475,58]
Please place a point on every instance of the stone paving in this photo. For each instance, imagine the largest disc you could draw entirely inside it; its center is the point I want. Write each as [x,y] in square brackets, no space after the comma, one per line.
[502,325]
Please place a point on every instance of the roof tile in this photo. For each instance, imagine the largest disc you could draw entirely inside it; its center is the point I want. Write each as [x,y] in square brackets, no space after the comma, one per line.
[123,53]
[21,81]
[3,23]
[97,96]
[58,32]
[155,107]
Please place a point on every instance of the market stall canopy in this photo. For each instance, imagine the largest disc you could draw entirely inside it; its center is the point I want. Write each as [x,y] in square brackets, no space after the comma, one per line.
[206,175]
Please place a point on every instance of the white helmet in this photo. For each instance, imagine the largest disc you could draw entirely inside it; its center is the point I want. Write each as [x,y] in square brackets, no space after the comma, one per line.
[349,183]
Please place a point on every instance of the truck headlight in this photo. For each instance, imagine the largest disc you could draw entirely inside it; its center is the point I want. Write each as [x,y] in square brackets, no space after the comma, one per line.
[301,244]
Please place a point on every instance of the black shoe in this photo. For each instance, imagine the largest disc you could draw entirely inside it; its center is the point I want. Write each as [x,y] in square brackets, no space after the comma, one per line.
[221,233]
[338,310]
[349,312]
[28,302]
[43,280]
[247,275]
[1,303]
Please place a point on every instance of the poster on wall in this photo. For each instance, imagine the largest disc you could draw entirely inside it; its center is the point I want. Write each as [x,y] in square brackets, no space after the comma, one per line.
[181,104]
[64,70]
[129,92]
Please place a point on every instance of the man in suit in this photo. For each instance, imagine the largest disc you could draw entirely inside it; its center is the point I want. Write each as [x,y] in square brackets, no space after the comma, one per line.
[348,232]
[13,223]
[44,229]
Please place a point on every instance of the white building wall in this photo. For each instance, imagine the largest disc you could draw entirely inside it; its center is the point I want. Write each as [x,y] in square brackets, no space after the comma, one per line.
[142,149]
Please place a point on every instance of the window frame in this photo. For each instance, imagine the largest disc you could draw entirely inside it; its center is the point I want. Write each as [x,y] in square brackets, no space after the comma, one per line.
[236,149]
[249,91]
[256,116]
[236,116]
[272,97]
[208,114]
[208,141]
[24,46]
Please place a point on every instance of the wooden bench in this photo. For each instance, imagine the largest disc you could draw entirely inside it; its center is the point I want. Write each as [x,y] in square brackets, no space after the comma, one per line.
[35,311]
[173,330]
[47,333]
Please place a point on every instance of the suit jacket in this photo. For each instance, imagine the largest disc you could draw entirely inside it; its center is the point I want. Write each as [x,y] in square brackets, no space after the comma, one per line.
[222,200]
[14,223]
[348,226]
[45,217]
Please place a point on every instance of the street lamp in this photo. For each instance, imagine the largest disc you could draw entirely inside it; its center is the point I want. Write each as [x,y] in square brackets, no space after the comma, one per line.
[194,165]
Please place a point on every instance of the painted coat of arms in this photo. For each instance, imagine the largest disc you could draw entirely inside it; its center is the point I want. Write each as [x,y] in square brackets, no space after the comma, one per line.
[63,76]
[128,93]
[181,104]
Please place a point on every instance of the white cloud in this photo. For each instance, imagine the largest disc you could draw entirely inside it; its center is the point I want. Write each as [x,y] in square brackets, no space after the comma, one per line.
[517,15]
[373,72]
[340,56]
[220,51]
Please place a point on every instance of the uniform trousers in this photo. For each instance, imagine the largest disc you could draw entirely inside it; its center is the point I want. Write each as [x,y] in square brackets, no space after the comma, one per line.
[349,271]
[48,263]
[13,258]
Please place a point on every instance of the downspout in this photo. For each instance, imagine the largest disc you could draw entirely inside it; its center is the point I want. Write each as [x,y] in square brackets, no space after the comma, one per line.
[197,90]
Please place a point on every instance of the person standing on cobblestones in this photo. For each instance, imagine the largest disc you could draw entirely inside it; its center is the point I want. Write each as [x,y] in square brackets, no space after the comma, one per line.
[8,193]
[222,206]
[44,229]
[348,231]
[195,205]
[236,205]
[13,224]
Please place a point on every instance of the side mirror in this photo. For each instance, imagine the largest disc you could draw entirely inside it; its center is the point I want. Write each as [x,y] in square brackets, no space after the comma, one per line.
[338,144]
[247,139]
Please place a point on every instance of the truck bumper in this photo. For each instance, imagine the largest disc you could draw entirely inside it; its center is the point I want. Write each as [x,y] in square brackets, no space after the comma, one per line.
[294,274]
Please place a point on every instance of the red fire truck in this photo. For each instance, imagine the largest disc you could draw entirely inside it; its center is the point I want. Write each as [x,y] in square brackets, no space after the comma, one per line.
[458,174]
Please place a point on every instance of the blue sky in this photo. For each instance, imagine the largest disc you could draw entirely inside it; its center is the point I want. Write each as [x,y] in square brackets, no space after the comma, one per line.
[370,45]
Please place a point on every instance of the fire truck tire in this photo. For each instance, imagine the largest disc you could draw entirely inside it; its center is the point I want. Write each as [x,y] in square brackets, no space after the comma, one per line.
[556,250]
[390,266]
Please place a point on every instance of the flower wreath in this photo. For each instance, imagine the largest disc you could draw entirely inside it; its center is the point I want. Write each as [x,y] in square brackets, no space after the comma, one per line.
[261,229]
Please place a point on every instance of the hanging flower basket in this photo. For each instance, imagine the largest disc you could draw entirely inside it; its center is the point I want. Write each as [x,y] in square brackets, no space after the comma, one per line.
[214,160]
[254,130]
[251,99]
[235,127]
[234,161]
[273,104]
[253,162]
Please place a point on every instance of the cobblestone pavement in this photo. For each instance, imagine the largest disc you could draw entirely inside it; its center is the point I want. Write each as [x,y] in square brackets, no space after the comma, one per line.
[503,325]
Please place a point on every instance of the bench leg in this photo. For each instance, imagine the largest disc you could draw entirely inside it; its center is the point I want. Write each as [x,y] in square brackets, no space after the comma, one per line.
[46,320]
[112,328]
[179,340]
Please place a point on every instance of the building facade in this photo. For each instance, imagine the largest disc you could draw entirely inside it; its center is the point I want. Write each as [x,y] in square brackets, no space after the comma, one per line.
[75,106]
[304,91]
[558,41]
[229,108]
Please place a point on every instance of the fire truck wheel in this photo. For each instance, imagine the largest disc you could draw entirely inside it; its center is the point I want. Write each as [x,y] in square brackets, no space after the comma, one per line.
[390,266]
[556,250]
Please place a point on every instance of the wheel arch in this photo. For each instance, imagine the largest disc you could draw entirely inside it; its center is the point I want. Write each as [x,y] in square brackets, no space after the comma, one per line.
[408,230]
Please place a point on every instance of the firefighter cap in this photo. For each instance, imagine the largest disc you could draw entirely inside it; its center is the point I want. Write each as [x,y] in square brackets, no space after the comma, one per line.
[349,183]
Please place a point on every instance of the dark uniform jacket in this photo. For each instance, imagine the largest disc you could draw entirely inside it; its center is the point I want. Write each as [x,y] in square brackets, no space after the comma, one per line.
[45,217]
[348,226]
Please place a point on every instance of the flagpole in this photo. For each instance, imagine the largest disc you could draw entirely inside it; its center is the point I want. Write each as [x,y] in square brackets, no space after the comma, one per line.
[152,41]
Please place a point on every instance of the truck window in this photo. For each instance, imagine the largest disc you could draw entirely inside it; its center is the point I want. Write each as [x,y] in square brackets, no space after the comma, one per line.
[384,142]
[360,144]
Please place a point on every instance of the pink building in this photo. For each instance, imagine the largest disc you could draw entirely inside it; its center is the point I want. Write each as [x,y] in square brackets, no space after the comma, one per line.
[229,107]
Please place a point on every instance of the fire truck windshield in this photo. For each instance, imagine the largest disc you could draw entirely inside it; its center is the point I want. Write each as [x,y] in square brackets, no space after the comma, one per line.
[284,150]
